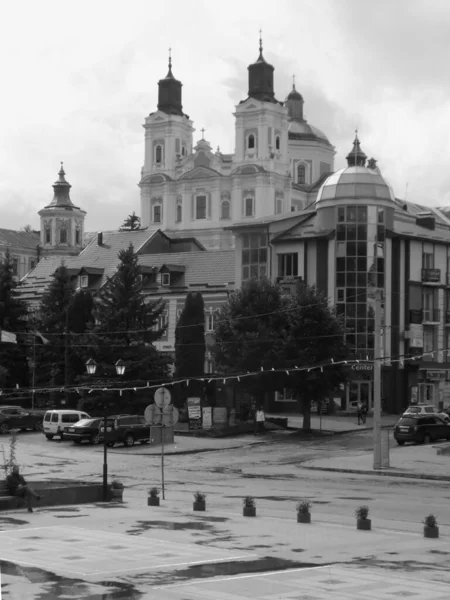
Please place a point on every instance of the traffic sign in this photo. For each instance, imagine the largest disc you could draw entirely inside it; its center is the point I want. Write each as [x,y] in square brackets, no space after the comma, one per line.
[149,413]
[162,397]
[170,416]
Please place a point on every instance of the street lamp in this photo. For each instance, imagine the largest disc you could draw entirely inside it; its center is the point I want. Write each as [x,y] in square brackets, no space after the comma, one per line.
[91,367]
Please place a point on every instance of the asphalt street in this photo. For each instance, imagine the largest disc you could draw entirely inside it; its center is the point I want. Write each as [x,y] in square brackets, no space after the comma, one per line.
[271,471]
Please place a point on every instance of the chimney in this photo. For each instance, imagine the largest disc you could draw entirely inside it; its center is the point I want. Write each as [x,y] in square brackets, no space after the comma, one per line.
[100,238]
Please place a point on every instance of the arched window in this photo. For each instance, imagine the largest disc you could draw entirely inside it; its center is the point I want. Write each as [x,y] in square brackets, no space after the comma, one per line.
[225,210]
[277,142]
[179,213]
[301,173]
[63,236]
[157,213]
[158,154]
[77,236]
[251,141]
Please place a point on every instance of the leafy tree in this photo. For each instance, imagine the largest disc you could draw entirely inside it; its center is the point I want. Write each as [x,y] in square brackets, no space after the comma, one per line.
[13,318]
[190,338]
[127,325]
[260,326]
[131,223]
[27,229]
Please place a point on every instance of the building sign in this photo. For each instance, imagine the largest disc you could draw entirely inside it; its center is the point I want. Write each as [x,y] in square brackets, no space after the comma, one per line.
[207,417]
[194,413]
[362,367]
[415,335]
[436,375]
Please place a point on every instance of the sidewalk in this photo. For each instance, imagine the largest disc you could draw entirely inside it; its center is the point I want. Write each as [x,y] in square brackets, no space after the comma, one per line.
[336,423]
[417,462]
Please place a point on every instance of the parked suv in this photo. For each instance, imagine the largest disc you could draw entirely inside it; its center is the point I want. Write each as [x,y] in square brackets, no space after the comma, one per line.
[421,429]
[127,429]
[15,417]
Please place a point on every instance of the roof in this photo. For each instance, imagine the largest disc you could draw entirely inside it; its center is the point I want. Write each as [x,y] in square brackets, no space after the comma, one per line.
[304,131]
[21,239]
[272,219]
[354,183]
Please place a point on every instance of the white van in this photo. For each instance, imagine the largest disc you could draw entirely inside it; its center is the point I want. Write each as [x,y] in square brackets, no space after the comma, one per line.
[56,421]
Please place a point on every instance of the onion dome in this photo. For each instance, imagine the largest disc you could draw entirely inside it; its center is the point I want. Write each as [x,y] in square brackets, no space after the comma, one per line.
[260,78]
[61,187]
[356,157]
[169,93]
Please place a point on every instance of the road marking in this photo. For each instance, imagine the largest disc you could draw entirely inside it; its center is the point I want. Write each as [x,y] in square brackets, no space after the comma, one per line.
[248,576]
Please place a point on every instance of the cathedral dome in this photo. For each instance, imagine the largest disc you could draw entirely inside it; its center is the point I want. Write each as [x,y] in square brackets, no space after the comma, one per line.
[304,131]
[353,183]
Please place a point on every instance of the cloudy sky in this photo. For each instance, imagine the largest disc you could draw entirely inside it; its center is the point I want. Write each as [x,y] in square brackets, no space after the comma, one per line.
[78,79]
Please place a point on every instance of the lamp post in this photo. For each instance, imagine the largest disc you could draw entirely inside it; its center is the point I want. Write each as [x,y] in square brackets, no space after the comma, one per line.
[91,367]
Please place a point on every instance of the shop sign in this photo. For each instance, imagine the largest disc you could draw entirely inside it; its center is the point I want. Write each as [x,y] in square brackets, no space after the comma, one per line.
[362,367]
[194,413]
[436,375]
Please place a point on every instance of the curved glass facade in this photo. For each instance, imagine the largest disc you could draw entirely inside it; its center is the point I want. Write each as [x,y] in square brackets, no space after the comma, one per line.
[360,270]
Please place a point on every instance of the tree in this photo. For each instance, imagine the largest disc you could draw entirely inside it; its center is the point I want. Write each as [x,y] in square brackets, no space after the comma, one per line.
[190,338]
[262,327]
[127,324]
[13,318]
[27,229]
[131,223]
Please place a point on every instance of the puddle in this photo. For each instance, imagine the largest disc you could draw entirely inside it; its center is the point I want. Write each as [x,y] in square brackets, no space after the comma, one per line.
[60,509]
[69,516]
[142,526]
[214,519]
[353,498]
[12,521]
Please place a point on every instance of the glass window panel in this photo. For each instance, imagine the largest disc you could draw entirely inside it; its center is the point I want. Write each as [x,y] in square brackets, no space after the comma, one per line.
[246,240]
[380,233]
[351,232]
[263,255]
[340,232]
[372,279]
[253,270]
[361,311]
[262,270]
[380,250]
[245,257]
[341,214]
[361,278]
[362,232]
[253,256]
[361,294]
[263,240]
[351,248]
[361,264]
[351,312]
[361,341]
[340,279]
[380,280]
[362,248]
[351,214]
[340,264]
[362,214]
[328,192]
[340,249]
[380,265]
[350,294]
[245,272]
[341,295]
[364,189]
[351,264]
[254,240]
[381,215]
[340,309]
[351,279]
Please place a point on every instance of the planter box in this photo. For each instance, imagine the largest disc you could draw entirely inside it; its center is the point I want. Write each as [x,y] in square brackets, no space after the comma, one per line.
[152,501]
[59,493]
[303,517]
[200,505]
[249,511]
[431,532]
[364,524]
[116,494]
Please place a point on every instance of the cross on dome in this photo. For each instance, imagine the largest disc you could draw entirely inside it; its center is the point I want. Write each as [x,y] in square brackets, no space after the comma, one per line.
[203,132]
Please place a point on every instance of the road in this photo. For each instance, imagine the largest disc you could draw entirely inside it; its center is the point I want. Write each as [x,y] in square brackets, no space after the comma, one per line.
[272,473]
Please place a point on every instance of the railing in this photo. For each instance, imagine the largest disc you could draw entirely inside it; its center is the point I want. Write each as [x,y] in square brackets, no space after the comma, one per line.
[415,316]
[431,315]
[431,275]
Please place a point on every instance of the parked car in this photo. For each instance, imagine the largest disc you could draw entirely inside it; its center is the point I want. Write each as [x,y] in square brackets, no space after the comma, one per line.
[15,417]
[90,430]
[127,429]
[426,409]
[57,421]
[421,429]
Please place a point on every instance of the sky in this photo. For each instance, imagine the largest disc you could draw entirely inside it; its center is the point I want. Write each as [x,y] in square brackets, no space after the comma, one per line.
[79,78]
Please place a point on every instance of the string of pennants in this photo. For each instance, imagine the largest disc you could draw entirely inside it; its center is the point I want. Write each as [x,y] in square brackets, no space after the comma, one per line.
[224,378]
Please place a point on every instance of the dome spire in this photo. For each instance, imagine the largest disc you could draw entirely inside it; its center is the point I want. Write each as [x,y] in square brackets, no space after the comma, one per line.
[170,74]
[356,157]
[61,189]
[260,78]
[260,57]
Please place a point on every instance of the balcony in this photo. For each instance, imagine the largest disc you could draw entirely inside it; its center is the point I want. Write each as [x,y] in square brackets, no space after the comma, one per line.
[415,316]
[431,275]
[431,315]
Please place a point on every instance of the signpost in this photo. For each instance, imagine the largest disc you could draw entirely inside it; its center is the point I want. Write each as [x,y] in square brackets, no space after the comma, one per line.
[161,414]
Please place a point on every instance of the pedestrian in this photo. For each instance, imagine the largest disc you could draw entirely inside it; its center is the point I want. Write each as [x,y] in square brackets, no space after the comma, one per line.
[359,412]
[18,487]
[260,418]
[364,411]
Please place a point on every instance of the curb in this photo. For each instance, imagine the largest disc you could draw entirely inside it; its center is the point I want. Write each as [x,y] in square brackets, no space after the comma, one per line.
[381,473]
[197,451]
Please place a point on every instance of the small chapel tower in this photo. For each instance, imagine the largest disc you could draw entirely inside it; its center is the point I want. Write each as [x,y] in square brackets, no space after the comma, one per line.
[62,223]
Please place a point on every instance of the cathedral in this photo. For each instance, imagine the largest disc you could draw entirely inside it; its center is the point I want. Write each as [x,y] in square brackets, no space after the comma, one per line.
[278,164]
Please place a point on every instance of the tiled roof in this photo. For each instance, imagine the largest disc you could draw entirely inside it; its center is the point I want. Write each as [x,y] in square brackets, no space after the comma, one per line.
[202,268]
[21,239]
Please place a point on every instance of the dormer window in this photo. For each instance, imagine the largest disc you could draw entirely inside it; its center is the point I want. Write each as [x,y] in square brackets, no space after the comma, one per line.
[251,141]
[277,142]
[83,281]
[165,279]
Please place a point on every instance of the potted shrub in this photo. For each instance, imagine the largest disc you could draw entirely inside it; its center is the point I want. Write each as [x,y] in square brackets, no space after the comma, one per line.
[303,514]
[153,497]
[199,501]
[249,507]
[116,490]
[430,529]
[362,522]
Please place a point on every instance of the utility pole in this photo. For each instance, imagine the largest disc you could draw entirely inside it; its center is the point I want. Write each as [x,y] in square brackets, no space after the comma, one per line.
[377,383]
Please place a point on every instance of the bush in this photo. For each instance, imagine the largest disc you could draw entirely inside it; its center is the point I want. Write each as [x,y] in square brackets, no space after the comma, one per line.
[430,521]
[303,506]
[199,497]
[249,502]
[362,512]
[153,492]
[117,485]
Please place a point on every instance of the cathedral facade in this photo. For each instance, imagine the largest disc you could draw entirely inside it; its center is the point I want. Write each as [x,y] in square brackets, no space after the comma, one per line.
[278,164]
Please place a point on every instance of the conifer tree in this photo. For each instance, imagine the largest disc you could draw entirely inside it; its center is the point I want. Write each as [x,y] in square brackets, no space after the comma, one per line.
[190,338]
[131,223]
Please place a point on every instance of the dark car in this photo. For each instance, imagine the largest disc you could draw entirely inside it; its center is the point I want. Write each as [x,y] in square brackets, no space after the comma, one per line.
[421,429]
[14,417]
[128,429]
[90,430]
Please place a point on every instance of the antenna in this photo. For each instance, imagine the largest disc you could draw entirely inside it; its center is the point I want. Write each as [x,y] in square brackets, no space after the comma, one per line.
[406,190]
